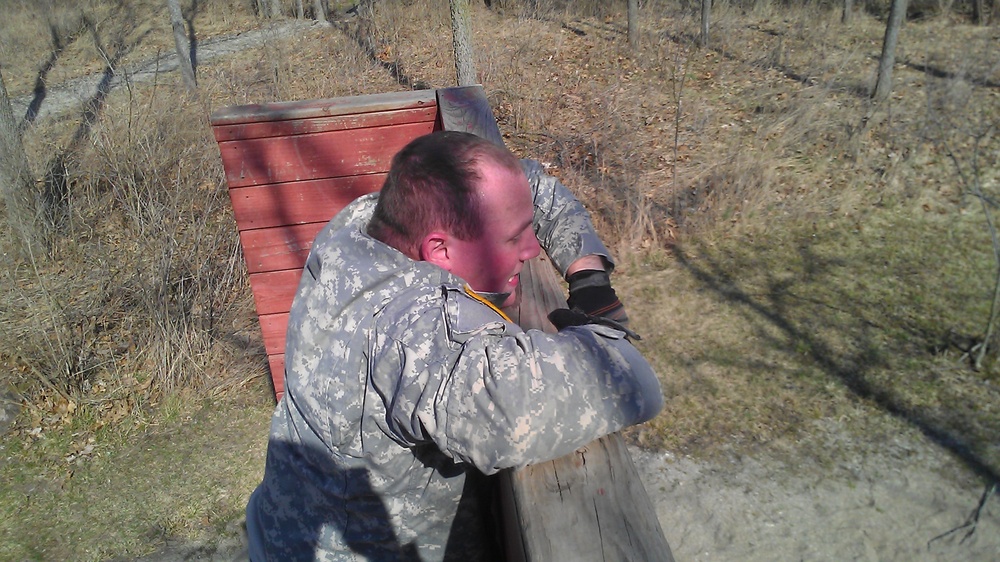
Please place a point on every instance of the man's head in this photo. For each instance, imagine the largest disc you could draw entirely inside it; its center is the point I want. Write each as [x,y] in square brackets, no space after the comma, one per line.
[462,203]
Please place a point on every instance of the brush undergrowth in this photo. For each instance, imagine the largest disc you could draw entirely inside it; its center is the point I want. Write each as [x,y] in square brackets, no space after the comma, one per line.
[787,263]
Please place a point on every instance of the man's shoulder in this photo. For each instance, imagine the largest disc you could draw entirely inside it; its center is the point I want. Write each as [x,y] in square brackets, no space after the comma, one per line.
[446,307]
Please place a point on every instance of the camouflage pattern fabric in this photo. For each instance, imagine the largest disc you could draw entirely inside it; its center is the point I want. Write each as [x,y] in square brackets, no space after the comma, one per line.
[402,391]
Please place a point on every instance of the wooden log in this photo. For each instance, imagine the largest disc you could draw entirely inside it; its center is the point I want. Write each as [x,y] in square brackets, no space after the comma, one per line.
[589,505]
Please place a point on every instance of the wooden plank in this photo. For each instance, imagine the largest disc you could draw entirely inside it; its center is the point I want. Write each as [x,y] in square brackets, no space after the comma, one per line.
[315,156]
[273,290]
[264,129]
[281,111]
[278,248]
[266,206]
[466,109]
[274,328]
[277,365]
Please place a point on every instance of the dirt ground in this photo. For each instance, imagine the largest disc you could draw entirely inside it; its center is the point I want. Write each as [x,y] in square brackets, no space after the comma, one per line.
[904,500]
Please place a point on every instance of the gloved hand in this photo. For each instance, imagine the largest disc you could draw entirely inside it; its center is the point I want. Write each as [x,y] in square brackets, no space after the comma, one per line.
[564,318]
[590,292]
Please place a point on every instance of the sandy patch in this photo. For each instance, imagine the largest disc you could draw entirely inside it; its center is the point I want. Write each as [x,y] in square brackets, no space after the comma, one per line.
[888,505]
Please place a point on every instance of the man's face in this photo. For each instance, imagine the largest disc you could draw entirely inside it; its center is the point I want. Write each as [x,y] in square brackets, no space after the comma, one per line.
[493,262]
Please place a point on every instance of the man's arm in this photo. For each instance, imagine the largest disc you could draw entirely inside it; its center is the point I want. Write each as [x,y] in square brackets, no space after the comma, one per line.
[564,229]
[563,225]
[506,398]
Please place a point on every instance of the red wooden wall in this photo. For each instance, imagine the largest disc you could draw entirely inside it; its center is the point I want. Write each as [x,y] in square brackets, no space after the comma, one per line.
[291,167]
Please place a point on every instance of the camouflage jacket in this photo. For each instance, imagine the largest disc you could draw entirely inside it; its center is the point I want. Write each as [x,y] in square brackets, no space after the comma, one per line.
[402,391]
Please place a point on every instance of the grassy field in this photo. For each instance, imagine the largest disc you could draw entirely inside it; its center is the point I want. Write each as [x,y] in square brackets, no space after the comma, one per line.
[795,258]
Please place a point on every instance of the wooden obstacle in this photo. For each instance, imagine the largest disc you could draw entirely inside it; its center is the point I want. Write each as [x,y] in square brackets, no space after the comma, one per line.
[291,166]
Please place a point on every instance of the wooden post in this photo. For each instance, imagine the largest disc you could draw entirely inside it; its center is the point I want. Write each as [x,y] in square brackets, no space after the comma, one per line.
[590,504]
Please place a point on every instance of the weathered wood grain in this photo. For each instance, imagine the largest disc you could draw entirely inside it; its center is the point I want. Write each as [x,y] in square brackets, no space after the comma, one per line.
[266,206]
[586,506]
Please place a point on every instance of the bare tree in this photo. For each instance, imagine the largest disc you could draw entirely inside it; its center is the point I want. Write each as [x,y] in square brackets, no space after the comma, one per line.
[633,24]
[267,8]
[16,182]
[300,11]
[319,10]
[979,14]
[366,28]
[706,14]
[848,13]
[181,44]
[461,36]
[897,14]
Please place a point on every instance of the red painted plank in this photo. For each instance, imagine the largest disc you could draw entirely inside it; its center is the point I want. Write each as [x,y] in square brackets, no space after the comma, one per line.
[256,130]
[315,156]
[306,109]
[273,290]
[274,327]
[277,364]
[278,248]
[298,202]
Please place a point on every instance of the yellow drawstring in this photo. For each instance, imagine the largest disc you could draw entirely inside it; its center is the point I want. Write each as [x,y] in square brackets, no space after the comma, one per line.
[469,291]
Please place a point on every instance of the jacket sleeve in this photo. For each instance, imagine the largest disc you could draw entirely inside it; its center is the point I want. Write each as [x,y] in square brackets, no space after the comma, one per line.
[562,224]
[501,397]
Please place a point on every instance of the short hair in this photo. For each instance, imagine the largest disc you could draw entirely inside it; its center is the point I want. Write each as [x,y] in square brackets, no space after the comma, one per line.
[433,184]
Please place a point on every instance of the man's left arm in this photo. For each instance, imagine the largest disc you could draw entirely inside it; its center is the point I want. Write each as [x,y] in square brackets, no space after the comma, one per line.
[563,225]
[565,230]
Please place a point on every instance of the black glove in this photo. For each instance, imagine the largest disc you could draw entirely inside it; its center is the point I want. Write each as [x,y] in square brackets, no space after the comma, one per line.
[564,318]
[590,292]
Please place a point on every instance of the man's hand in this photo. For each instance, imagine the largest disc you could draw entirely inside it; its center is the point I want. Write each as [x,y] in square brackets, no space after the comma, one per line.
[564,318]
[590,292]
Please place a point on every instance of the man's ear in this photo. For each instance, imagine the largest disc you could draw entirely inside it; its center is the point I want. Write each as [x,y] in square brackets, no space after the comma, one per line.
[434,249]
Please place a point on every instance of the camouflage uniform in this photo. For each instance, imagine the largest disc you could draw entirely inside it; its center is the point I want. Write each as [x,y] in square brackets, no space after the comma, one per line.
[400,387]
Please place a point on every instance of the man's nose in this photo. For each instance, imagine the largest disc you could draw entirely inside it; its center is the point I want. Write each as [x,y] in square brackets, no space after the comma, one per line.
[531,247]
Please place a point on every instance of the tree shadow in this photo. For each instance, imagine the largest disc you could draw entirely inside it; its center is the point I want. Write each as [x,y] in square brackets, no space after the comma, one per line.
[192,37]
[39,92]
[55,194]
[363,34]
[773,302]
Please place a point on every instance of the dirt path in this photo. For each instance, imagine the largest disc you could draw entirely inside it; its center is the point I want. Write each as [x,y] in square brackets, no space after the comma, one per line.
[73,94]
[889,505]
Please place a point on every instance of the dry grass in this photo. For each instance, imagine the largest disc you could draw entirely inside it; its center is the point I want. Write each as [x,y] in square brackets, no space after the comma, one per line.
[786,265]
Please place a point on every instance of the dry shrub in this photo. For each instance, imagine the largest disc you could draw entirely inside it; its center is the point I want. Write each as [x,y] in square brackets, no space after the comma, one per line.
[146,280]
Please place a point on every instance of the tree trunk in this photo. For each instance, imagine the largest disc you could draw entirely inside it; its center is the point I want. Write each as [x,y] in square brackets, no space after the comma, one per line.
[461,35]
[300,11]
[897,14]
[706,15]
[319,10]
[845,16]
[979,16]
[366,28]
[181,44]
[633,24]
[275,9]
[16,183]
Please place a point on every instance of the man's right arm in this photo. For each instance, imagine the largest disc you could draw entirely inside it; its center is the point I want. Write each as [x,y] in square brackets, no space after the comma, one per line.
[505,398]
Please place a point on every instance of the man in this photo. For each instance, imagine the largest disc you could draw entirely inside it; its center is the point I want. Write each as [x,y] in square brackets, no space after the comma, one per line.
[405,384]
